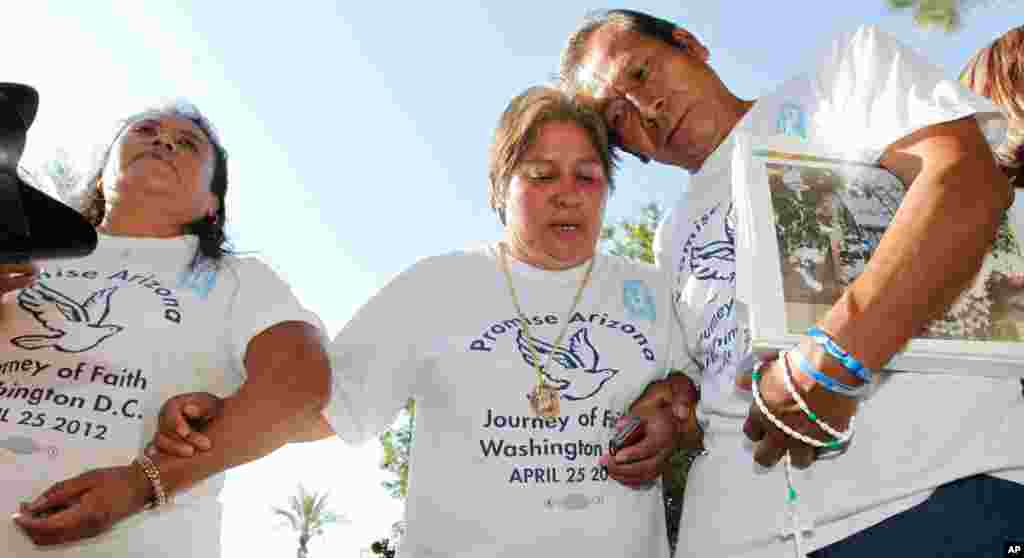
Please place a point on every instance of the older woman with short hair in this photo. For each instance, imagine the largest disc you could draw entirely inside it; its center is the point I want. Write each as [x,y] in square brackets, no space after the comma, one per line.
[522,355]
[97,343]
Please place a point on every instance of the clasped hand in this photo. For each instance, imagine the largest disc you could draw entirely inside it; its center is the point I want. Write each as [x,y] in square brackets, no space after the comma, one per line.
[668,411]
[771,443]
[668,423]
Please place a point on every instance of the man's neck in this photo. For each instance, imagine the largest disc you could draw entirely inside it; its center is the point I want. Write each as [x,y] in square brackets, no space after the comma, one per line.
[733,111]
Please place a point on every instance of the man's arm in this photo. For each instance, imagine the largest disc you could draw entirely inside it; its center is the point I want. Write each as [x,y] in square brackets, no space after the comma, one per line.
[934,246]
[932,249]
[184,418]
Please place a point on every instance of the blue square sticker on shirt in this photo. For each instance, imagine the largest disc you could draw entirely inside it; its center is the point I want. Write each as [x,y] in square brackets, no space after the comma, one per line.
[792,121]
[638,300]
[200,280]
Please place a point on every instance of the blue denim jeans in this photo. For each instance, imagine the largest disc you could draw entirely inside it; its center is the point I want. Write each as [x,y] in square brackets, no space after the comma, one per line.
[973,517]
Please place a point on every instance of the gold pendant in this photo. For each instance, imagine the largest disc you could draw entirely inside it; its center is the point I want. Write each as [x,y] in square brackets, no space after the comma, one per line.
[544,401]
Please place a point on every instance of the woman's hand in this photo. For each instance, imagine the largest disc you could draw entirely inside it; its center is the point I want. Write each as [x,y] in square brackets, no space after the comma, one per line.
[668,411]
[85,506]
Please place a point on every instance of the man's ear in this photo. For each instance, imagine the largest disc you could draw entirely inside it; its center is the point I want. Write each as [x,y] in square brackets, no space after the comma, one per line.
[686,41]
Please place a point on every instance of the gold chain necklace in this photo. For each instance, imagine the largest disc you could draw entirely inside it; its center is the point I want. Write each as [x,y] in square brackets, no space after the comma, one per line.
[544,398]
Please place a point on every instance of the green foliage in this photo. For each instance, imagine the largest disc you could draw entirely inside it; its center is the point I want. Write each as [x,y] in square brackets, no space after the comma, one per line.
[941,14]
[795,223]
[307,515]
[1006,241]
[634,239]
[397,445]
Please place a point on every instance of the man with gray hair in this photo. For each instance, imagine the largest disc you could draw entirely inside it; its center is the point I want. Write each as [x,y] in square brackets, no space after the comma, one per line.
[939,478]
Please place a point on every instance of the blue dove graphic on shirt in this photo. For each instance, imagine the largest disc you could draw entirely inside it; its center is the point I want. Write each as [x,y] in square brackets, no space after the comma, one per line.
[717,258]
[74,327]
[576,375]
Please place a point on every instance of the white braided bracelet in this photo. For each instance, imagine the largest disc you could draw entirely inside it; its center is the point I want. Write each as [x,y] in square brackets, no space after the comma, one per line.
[832,444]
[841,437]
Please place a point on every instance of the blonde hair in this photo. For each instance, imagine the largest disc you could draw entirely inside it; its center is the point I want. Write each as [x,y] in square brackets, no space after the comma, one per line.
[517,130]
[997,72]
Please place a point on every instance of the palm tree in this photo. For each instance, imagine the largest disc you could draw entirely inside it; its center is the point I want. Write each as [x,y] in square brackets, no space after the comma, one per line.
[307,516]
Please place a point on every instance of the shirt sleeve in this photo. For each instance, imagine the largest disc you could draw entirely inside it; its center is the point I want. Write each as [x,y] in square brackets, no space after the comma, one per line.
[261,300]
[377,357]
[869,82]
[682,317]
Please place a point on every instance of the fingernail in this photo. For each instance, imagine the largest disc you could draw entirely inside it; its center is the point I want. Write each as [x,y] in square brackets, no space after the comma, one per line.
[150,451]
[183,432]
[36,504]
[204,443]
[191,410]
[603,460]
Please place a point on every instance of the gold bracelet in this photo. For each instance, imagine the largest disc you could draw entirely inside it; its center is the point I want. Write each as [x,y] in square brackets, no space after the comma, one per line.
[153,474]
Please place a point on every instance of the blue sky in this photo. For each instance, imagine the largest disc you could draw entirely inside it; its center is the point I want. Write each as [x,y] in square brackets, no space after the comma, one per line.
[358,136]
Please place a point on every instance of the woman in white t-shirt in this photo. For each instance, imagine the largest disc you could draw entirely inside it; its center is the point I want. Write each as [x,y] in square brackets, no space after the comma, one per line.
[522,357]
[93,345]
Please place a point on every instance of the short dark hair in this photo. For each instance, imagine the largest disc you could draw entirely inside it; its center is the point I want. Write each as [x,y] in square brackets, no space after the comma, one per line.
[631,20]
[517,129]
[213,242]
[575,46]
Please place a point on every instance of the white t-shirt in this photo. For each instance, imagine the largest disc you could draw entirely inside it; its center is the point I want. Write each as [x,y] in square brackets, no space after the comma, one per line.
[487,477]
[90,352]
[916,431]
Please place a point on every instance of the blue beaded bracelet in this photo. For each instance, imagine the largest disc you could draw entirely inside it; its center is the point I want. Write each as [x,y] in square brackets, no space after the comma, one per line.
[826,381]
[835,351]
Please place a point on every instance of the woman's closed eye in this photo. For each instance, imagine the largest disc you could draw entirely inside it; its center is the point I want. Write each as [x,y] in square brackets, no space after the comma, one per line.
[539,173]
[590,173]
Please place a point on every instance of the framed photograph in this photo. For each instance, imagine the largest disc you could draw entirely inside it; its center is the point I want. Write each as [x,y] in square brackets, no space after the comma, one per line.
[817,223]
